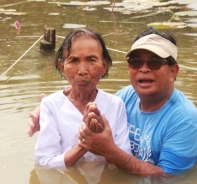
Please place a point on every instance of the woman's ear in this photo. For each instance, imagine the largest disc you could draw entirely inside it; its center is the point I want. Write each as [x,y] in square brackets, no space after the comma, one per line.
[61,65]
[105,67]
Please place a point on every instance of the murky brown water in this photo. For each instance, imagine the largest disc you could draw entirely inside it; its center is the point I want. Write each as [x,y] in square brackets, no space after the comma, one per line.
[25,72]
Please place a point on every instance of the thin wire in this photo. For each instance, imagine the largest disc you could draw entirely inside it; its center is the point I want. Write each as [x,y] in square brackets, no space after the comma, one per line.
[22,56]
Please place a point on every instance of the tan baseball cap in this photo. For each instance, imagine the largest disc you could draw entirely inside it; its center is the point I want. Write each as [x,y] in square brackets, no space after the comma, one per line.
[156,44]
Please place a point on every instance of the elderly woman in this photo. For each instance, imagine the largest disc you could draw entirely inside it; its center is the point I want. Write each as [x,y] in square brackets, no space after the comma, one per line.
[82,60]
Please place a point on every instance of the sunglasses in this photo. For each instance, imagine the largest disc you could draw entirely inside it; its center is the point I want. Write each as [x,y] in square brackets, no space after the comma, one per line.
[153,64]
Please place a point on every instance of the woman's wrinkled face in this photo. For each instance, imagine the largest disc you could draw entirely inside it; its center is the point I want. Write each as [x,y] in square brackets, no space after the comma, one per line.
[151,82]
[85,66]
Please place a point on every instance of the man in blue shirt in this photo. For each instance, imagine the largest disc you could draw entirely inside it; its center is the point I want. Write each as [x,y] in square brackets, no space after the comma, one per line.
[161,120]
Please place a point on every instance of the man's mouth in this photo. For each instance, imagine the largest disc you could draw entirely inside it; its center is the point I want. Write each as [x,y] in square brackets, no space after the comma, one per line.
[145,81]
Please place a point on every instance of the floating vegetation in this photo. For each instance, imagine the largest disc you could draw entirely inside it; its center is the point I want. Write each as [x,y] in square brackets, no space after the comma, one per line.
[148,8]
[14,13]
[54,14]
[184,1]
[186,13]
[78,3]
[73,26]
[192,22]
[11,12]
[5,18]
[191,34]
[36,0]
[167,25]
[87,8]
[192,6]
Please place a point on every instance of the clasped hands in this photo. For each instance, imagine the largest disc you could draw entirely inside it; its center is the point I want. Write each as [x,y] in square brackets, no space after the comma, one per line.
[92,119]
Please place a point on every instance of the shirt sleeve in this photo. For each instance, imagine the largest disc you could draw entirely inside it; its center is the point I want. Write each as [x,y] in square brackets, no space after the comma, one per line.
[48,150]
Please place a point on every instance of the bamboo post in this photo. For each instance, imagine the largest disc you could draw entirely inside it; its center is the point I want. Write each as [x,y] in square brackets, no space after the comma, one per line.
[48,43]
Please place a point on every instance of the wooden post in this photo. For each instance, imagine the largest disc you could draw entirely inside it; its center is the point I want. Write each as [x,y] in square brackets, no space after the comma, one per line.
[49,39]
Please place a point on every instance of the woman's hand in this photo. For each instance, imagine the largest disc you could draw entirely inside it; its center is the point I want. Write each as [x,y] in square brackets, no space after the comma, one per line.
[93,118]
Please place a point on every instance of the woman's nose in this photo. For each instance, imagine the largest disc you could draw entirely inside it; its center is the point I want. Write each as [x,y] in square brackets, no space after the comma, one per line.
[83,68]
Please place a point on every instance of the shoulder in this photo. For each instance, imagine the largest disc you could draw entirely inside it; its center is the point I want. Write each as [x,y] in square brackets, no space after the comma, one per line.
[128,95]
[126,92]
[126,89]
[180,115]
[183,105]
[108,97]
[53,98]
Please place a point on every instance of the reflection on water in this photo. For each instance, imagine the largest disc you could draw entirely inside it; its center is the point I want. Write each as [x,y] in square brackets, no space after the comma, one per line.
[91,173]
[32,72]
[101,173]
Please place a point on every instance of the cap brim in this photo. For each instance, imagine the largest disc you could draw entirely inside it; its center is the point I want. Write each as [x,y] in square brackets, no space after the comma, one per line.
[152,48]
[155,44]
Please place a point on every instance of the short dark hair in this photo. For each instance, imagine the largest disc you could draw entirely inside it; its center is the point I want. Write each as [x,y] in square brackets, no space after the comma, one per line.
[67,43]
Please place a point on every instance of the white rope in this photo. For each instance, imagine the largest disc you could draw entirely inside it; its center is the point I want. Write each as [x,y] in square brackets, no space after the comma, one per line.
[21,56]
[116,50]
[189,68]
[60,36]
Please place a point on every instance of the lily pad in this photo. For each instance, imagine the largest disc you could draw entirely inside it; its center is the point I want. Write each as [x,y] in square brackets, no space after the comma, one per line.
[149,3]
[191,34]
[2,10]
[184,1]
[193,25]
[73,26]
[168,25]
[186,13]
[78,3]
[36,0]
[54,14]
[11,12]
[192,20]
[87,8]
[14,13]
[192,6]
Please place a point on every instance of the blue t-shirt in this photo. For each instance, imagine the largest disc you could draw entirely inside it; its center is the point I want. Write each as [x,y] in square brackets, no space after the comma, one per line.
[166,137]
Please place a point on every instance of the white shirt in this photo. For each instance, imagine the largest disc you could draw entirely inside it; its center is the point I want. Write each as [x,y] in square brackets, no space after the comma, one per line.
[59,127]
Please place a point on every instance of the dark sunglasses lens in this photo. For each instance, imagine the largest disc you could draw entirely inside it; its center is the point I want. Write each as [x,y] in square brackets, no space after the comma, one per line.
[135,63]
[154,64]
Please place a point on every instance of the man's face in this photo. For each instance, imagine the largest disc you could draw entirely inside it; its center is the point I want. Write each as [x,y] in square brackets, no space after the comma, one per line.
[153,78]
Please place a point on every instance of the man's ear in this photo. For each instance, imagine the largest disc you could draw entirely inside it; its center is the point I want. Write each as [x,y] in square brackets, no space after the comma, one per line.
[61,65]
[174,71]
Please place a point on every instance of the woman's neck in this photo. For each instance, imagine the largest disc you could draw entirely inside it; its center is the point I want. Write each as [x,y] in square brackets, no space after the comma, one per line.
[80,99]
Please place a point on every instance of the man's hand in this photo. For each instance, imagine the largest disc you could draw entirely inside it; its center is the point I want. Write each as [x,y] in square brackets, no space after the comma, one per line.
[97,143]
[34,116]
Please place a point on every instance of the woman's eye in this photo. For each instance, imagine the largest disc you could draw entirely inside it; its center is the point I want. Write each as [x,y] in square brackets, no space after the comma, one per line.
[92,59]
[72,60]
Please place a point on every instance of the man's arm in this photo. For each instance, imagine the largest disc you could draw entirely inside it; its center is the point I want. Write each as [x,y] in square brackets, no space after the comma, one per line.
[103,144]
[33,123]
[34,116]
